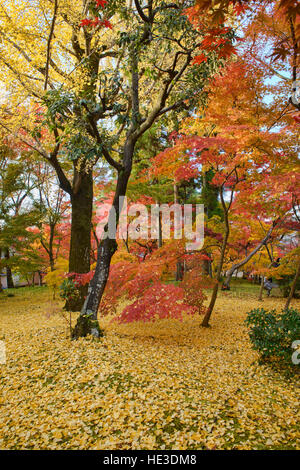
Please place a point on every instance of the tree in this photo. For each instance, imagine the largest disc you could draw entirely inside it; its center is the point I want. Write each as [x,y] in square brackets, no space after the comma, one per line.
[293,286]
[17,215]
[51,61]
[232,139]
[163,40]
[97,59]
[52,208]
[156,52]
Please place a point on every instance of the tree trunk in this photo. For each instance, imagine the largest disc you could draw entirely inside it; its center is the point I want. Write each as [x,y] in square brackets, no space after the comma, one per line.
[175,192]
[293,286]
[247,258]
[213,299]
[159,222]
[10,282]
[51,254]
[260,297]
[80,246]
[87,322]
[214,295]
[40,278]
[179,271]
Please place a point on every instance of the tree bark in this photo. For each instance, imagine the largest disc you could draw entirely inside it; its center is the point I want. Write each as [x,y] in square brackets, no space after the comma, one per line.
[87,322]
[9,278]
[179,271]
[80,245]
[293,286]
[213,299]
[51,254]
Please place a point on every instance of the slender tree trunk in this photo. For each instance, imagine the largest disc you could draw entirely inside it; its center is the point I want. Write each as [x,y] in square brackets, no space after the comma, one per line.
[293,286]
[40,278]
[213,299]
[214,295]
[87,322]
[261,289]
[175,193]
[51,254]
[179,271]
[10,282]
[160,239]
[159,221]
[80,246]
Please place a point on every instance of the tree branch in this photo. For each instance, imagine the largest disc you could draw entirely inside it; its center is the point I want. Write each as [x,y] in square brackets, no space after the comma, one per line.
[144,17]
[49,43]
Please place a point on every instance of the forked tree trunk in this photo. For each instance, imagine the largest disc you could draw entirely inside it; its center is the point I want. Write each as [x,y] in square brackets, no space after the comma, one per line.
[80,246]
[87,322]
[293,286]
[247,258]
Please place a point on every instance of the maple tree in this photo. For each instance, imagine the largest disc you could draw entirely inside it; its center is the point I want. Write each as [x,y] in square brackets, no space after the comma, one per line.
[242,157]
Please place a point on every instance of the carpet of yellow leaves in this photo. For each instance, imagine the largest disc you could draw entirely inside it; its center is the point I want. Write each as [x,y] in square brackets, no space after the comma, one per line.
[168,385]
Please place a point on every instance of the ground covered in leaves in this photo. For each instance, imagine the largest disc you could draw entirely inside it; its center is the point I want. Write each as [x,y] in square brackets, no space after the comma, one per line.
[168,385]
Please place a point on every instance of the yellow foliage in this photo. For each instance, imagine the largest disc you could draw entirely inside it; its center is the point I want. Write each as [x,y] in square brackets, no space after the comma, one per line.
[122,256]
[167,385]
[54,278]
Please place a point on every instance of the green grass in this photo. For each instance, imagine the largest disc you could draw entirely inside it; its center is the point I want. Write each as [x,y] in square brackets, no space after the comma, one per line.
[26,291]
[239,288]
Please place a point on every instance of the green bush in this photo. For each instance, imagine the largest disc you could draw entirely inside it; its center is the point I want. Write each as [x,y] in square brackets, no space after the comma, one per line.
[272,334]
[68,290]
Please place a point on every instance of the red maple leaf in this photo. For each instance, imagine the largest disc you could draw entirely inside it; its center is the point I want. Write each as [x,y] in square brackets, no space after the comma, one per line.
[107,24]
[198,59]
[85,22]
[101,3]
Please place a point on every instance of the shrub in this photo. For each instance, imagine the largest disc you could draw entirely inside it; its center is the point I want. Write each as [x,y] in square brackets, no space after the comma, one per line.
[272,334]
[157,301]
[68,290]
[54,278]
[192,284]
